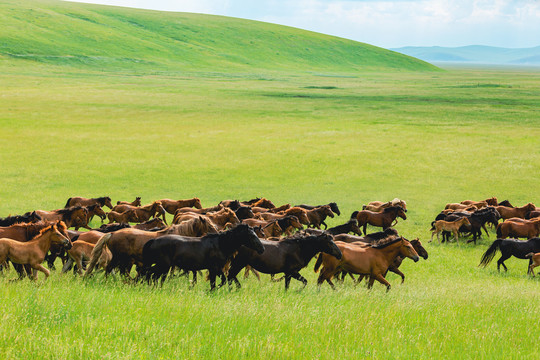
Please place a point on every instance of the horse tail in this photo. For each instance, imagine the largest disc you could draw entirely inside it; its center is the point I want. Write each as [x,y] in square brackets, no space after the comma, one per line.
[67,203]
[96,252]
[499,230]
[318,263]
[432,226]
[354,214]
[490,253]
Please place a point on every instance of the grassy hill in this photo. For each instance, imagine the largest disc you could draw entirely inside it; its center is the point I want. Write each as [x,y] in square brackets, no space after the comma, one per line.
[114,38]
[475,53]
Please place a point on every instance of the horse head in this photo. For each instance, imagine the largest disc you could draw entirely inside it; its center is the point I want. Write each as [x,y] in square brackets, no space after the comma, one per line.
[197,203]
[108,202]
[334,208]
[328,246]
[408,250]
[328,211]
[420,250]
[248,237]
[61,235]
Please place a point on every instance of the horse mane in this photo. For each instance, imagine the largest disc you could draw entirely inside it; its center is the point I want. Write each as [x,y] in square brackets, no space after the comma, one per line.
[377,236]
[382,244]
[392,208]
[224,233]
[105,228]
[101,200]
[43,230]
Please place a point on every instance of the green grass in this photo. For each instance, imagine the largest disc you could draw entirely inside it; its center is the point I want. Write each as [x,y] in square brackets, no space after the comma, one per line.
[297,135]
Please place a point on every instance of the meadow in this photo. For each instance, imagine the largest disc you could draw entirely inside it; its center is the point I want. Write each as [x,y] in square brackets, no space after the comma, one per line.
[299,137]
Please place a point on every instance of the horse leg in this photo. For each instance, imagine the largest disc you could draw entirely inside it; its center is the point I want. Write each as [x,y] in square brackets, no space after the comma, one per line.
[299,277]
[287,281]
[365,228]
[456,236]
[212,277]
[360,278]
[42,269]
[395,270]
[383,281]
[325,226]
[67,266]
[501,262]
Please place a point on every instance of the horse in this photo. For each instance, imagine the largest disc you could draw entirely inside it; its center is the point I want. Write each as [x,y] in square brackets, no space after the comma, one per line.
[27,217]
[244,212]
[264,229]
[378,206]
[125,217]
[372,260]
[456,206]
[202,211]
[144,213]
[106,228]
[452,226]
[522,229]
[384,219]
[219,219]
[210,252]
[349,226]
[136,202]
[72,216]
[126,244]
[95,210]
[386,235]
[287,256]
[150,225]
[535,261]
[172,205]
[520,212]
[333,206]
[80,201]
[505,203]
[33,252]
[280,208]
[82,251]
[317,216]
[478,221]
[509,248]
[264,203]
[492,201]
[532,215]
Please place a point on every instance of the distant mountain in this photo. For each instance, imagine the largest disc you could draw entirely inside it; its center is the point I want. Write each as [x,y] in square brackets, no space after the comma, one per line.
[474,54]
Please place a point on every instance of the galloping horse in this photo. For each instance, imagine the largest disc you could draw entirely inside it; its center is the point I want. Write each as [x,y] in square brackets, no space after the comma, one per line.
[378,206]
[72,216]
[136,202]
[82,251]
[80,201]
[125,217]
[383,219]
[520,212]
[519,229]
[33,252]
[172,205]
[372,260]
[144,213]
[25,218]
[509,248]
[317,216]
[333,206]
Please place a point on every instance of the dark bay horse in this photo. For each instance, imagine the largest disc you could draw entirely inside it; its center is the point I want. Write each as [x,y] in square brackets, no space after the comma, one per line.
[80,201]
[210,252]
[317,216]
[287,256]
[509,248]
[25,218]
[349,226]
[333,206]
[383,219]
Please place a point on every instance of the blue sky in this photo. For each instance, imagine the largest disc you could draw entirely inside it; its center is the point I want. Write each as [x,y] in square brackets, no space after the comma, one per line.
[388,23]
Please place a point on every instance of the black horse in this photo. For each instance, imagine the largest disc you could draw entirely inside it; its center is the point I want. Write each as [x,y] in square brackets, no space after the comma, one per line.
[244,212]
[15,219]
[333,207]
[210,252]
[509,248]
[349,226]
[287,256]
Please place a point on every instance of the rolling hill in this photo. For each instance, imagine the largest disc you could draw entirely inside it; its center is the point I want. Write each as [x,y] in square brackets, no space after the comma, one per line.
[118,39]
[475,54]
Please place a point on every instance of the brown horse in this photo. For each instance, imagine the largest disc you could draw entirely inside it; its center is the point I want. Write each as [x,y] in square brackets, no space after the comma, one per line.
[372,260]
[300,213]
[33,252]
[72,217]
[172,205]
[80,201]
[317,216]
[453,226]
[383,219]
[155,223]
[136,202]
[280,208]
[219,218]
[126,244]
[125,217]
[264,229]
[264,203]
[480,204]
[518,229]
[520,212]
[82,251]
[144,213]
[456,206]
[378,206]
[202,211]
[535,261]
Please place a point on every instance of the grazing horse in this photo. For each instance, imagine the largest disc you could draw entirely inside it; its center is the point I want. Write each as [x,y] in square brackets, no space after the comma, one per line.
[80,201]
[82,251]
[125,217]
[378,206]
[144,213]
[509,248]
[211,252]
[287,256]
[126,244]
[384,219]
[33,252]
[28,217]
[453,226]
[371,260]
[172,205]
[72,216]
[333,206]
[522,229]
[520,212]
[136,202]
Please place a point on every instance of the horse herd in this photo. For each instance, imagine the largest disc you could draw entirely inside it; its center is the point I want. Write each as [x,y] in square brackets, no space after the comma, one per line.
[254,235]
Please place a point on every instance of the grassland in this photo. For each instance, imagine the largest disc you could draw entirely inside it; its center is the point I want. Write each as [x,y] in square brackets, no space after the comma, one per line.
[292,135]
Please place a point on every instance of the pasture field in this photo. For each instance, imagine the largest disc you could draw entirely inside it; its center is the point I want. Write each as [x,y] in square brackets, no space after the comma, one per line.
[299,137]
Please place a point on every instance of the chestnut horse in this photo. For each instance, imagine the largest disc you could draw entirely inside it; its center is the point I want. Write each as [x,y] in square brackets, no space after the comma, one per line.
[488,202]
[519,229]
[172,205]
[82,251]
[125,217]
[372,260]
[73,216]
[383,219]
[219,218]
[520,212]
[136,202]
[126,244]
[33,252]
[453,226]
[80,201]
[144,213]
[264,203]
